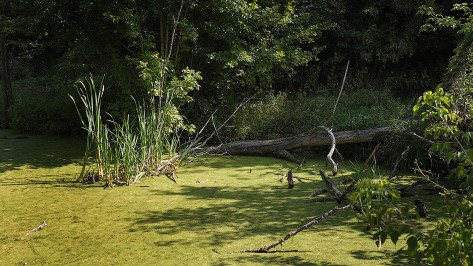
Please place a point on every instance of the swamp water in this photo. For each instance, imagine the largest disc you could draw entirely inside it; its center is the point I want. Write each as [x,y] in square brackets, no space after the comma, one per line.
[218,206]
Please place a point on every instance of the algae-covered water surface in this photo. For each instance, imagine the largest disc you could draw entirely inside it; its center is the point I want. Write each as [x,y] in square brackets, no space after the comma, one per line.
[221,204]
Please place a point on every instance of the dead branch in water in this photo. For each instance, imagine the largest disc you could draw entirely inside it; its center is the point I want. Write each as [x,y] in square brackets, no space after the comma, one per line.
[315,221]
[41,226]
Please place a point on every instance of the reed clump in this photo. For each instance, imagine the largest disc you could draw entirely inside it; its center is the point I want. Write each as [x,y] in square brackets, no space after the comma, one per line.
[122,153]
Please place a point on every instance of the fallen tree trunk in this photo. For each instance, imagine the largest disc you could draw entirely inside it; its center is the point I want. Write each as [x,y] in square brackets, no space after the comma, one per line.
[263,147]
[275,146]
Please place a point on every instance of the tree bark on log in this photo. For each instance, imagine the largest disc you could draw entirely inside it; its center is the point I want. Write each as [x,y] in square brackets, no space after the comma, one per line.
[275,146]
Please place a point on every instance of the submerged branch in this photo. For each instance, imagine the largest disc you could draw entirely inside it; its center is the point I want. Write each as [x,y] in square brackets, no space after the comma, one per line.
[295,232]
[38,228]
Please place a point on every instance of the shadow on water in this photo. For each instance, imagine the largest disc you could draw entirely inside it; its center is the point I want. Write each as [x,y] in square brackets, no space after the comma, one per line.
[241,213]
[229,212]
[267,260]
[34,152]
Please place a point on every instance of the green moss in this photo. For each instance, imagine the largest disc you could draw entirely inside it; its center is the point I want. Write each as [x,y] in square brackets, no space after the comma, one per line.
[218,204]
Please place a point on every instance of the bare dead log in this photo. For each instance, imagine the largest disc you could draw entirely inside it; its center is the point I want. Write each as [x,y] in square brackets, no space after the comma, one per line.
[288,156]
[270,147]
[318,192]
[309,139]
[317,220]
[322,199]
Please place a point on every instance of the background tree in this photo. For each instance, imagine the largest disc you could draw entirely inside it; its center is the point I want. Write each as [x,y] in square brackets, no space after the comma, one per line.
[4,58]
[240,47]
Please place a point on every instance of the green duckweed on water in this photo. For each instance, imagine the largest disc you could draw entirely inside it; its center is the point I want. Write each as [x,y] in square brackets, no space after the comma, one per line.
[218,206]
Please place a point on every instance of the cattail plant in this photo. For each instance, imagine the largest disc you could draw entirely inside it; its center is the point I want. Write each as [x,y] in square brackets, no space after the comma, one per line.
[91,97]
[126,162]
[128,151]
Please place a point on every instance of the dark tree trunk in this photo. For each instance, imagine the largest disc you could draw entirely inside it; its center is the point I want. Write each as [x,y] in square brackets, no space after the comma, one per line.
[6,81]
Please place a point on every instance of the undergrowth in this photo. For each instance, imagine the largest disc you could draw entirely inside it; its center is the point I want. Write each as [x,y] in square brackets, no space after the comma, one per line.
[41,106]
[282,115]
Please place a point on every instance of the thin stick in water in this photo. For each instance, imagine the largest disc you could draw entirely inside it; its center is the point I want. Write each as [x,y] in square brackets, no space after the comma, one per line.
[315,221]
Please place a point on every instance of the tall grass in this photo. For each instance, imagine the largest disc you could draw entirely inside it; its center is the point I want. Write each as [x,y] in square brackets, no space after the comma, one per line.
[91,98]
[131,149]
[125,150]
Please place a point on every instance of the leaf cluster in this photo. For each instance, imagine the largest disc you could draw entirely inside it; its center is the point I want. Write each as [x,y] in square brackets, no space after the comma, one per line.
[447,117]
[382,209]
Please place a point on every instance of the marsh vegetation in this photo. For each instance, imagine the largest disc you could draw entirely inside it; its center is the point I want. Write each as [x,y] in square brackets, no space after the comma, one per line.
[217,205]
[131,179]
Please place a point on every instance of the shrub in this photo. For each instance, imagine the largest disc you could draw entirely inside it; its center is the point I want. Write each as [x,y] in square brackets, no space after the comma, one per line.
[282,115]
[41,105]
[261,119]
